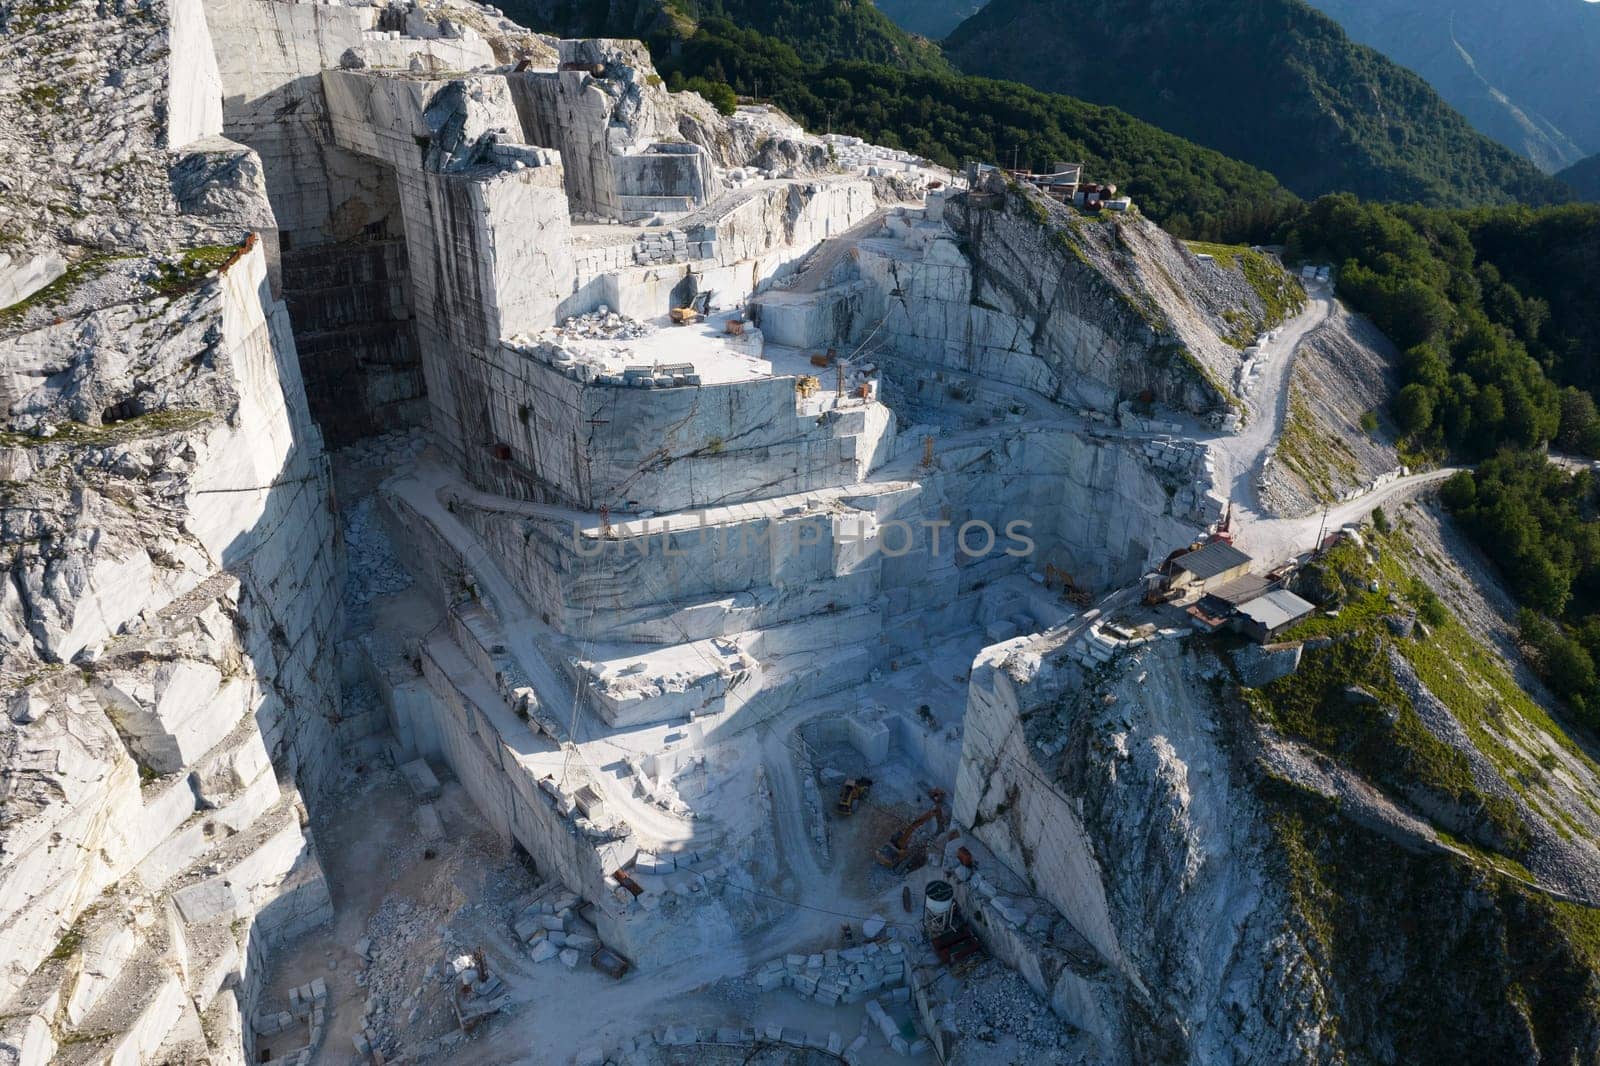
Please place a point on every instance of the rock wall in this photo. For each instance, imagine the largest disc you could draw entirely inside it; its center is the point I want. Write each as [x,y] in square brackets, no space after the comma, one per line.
[154,785]
[1112,307]
[350,303]
[194,99]
[360,354]
[1115,798]
[172,570]
[610,131]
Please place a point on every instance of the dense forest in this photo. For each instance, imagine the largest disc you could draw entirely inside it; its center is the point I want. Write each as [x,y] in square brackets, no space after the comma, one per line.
[1272,82]
[1536,521]
[1493,310]
[828,31]
[1193,191]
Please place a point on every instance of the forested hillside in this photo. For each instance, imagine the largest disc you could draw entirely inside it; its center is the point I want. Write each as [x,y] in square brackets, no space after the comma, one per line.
[1521,73]
[931,18]
[1584,178]
[824,30]
[1492,308]
[1273,83]
[952,118]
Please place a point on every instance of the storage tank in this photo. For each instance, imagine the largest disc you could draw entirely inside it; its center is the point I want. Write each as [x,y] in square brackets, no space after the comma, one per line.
[938,904]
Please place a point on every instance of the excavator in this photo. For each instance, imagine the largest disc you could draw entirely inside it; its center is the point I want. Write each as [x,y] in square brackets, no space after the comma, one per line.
[897,853]
[1054,576]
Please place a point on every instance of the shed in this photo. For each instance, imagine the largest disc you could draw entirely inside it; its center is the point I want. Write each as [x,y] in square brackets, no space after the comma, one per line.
[1206,568]
[1240,590]
[1266,616]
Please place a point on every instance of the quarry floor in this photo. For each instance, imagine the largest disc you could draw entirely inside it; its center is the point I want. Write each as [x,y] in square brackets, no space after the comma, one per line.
[418,902]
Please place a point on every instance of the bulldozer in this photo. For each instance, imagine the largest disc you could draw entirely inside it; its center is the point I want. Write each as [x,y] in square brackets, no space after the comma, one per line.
[897,853]
[852,792]
[694,312]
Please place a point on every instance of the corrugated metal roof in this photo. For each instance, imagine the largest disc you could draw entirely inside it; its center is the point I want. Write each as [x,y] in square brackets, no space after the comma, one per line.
[1276,609]
[1241,589]
[1213,559]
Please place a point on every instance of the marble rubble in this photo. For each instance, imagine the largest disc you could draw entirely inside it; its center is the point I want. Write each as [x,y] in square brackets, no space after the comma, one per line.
[641,549]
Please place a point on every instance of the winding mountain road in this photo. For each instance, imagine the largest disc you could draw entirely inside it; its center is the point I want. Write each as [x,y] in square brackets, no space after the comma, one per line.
[1241,458]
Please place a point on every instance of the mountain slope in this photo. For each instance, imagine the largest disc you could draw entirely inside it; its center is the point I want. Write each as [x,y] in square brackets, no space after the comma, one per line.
[1273,83]
[818,30]
[931,18]
[1584,178]
[952,118]
[1521,73]
[824,30]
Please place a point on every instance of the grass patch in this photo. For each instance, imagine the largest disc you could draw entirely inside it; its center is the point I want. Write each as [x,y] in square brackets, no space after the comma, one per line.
[78,434]
[1280,292]
[1315,457]
[1344,700]
[191,269]
[72,939]
[56,291]
[1458,669]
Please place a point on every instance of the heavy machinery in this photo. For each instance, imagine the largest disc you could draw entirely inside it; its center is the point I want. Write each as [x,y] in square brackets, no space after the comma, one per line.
[698,306]
[852,792]
[897,852]
[1054,576]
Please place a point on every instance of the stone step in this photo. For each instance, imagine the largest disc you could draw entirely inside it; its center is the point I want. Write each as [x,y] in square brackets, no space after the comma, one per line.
[108,946]
[249,871]
[207,830]
[420,779]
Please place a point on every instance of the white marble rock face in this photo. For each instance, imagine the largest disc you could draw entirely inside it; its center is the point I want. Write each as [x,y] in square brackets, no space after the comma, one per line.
[172,627]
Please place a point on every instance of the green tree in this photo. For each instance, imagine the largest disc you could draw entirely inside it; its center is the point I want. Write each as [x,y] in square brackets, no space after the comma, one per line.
[1413,409]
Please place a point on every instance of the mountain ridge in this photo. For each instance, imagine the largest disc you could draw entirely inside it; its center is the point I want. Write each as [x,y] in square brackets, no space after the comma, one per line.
[1523,74]
[1278,85]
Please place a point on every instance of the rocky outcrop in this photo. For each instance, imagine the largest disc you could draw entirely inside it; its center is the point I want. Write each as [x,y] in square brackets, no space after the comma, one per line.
[346,272]
[171,568]
[1114,306]
[1267,852]
[1119,799]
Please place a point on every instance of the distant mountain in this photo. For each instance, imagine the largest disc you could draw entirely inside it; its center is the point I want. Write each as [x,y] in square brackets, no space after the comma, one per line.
[1584,178]
[1527,74]
[1271,82]
[931,18]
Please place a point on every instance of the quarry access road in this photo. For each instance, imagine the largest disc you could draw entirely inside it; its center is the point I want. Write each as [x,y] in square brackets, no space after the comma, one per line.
[1276,540]
[1240,458]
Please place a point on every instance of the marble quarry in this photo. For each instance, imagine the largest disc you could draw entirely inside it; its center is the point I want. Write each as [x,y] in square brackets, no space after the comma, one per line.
[648,582]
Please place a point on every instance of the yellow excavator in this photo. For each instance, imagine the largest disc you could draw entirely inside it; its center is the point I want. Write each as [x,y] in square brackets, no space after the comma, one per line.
[1055,576]
[897,853]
